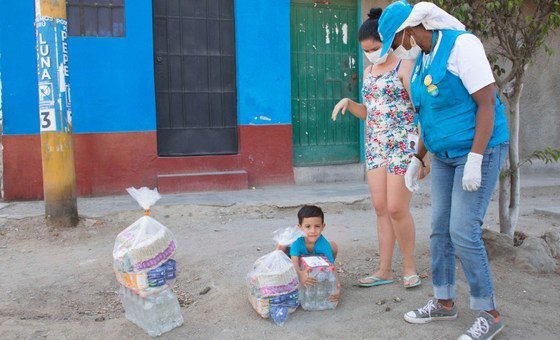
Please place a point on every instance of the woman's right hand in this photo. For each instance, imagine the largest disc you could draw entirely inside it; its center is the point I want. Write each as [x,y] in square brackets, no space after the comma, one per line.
[340,106]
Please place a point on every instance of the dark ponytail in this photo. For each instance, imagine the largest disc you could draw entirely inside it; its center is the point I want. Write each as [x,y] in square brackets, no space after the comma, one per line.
[368,30]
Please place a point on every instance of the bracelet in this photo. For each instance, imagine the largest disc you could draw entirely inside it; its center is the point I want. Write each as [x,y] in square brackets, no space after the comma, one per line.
[420,159]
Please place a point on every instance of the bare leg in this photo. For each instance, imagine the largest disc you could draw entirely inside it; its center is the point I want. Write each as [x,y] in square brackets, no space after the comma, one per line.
[377,181]
[398,206]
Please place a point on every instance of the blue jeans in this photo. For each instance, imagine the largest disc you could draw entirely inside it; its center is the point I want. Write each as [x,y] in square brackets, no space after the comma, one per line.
[457,217]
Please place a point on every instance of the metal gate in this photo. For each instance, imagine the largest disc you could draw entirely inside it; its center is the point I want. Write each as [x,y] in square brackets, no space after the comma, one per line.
[195,79]
[324,64]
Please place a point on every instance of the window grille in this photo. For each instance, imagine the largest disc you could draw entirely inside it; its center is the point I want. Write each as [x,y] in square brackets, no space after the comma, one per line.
[96,18]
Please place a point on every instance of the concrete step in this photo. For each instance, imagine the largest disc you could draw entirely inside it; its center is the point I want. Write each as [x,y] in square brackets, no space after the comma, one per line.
[330,173]
[203,181]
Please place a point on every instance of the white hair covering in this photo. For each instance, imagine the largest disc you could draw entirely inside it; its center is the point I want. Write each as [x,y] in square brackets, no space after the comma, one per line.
[431,17]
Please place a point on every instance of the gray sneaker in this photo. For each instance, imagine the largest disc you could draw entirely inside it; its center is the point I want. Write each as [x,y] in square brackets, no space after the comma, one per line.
[432,311]
[485,327]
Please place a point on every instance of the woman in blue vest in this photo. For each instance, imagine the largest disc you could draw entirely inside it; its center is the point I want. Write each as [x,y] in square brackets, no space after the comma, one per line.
[463,125]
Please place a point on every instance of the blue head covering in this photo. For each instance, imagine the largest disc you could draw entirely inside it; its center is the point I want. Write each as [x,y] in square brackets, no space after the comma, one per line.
[392,18]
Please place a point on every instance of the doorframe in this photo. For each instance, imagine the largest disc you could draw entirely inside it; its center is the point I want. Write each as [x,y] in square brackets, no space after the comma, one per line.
[360,66]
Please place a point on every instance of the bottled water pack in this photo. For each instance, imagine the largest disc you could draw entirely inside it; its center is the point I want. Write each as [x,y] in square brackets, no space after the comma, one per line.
[316,297]
[155,314]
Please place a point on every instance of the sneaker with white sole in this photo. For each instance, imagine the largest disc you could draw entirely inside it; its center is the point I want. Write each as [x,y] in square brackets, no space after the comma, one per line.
[485,327]
[432,311]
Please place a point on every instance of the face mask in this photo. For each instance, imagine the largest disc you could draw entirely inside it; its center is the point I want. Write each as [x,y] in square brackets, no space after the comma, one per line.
[373,57]
[403,53]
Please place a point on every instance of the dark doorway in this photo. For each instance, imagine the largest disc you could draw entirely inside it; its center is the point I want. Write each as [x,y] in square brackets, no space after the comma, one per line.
[195,78]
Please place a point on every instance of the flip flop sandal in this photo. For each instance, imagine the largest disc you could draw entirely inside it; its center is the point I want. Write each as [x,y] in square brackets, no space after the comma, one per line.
[375,281]
[416,283]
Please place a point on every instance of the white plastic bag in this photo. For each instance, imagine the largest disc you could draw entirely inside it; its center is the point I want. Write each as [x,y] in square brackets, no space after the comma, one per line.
[145,244]
[273,286]
[287,236]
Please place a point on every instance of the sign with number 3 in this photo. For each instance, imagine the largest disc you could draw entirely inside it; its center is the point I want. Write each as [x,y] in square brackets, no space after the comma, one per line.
[48,119]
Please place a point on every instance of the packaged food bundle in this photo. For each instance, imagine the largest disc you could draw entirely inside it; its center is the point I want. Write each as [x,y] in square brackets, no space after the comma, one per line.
[273,286]
[143,266]
[316,297]
[142,252]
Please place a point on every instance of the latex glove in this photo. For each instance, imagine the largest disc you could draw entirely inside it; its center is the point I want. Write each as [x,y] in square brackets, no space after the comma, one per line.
[342,105]
[472,174]
[411,176]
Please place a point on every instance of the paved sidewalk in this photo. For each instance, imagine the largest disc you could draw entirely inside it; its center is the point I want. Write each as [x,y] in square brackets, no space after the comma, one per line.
[283,196]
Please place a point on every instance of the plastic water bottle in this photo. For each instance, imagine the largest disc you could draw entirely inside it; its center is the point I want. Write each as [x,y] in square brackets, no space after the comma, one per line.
[322,290]
[316,297]
[155,314]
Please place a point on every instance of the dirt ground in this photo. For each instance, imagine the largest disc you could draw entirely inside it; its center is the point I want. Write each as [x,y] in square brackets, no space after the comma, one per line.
[59,284]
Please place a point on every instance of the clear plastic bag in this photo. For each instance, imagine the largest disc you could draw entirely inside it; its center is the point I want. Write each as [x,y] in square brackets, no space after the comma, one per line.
[273,286]
[145,245]
[287,236]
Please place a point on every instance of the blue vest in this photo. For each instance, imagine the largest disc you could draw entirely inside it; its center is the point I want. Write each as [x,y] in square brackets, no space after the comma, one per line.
[448,120]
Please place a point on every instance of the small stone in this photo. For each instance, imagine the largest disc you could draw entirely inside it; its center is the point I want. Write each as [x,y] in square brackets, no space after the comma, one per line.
[205,291]
[381,302]
[340,271]
[100,318]
[356,239]
[423,276]
[368,259]
[258,248]
[387,309]
[397,299]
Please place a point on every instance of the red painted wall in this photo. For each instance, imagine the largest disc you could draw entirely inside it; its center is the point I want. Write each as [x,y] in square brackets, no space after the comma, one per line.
[107,163]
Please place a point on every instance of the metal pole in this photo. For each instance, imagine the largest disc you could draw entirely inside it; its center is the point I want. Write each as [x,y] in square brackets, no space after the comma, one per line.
[55,113]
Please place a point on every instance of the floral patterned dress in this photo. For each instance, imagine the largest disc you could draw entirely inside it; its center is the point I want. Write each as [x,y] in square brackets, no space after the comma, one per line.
[391,135]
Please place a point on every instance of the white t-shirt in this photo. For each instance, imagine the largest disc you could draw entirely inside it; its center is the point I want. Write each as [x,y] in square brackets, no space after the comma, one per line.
[468,61]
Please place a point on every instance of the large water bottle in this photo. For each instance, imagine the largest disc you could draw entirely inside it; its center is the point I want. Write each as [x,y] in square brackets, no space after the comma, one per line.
[156,314]
[322,290]
[311,294]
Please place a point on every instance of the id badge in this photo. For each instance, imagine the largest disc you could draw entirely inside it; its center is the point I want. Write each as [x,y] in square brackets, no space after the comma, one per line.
[412,142]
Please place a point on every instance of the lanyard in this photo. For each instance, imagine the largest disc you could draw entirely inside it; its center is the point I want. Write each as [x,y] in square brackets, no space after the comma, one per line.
[428,80]
[435,35]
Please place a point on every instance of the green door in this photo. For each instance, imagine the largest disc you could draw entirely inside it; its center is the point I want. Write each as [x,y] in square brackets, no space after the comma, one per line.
[324,64]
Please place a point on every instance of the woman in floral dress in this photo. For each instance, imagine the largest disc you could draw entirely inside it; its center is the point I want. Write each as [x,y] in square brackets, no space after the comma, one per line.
[390,140]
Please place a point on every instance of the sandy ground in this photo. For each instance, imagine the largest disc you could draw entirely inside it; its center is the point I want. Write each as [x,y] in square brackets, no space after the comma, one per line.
[59,284]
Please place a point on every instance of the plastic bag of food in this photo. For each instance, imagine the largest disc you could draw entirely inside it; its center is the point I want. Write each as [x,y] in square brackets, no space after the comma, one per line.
[287,236]
[142,252]
[273,286]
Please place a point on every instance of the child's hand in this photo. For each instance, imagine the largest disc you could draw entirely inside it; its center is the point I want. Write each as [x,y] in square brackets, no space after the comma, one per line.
[305,280]
[336,296]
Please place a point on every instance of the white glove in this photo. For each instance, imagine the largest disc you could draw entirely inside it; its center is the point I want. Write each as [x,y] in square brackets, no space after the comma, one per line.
[411,176]
[472,174]
[341,105]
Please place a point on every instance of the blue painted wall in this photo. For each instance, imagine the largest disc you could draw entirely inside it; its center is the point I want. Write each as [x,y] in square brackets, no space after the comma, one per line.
[263,61]
[112,79]
[18,67]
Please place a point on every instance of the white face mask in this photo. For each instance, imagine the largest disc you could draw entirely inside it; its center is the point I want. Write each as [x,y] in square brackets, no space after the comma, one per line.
[403,53]
[373,57]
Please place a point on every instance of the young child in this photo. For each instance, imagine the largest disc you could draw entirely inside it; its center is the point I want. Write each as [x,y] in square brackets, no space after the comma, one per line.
[311,222]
